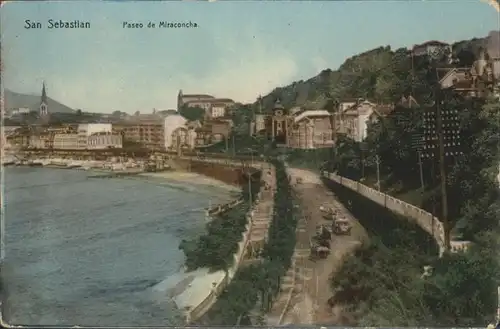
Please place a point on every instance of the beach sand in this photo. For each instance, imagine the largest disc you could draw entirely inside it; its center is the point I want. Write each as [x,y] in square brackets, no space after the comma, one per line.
[191,178]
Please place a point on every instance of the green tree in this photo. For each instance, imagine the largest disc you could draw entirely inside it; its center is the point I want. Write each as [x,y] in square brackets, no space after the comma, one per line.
[192,113]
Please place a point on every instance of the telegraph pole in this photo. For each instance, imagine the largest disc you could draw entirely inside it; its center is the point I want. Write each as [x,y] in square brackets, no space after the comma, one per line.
[422,185]
[442,170]
[250,187]
[234,147]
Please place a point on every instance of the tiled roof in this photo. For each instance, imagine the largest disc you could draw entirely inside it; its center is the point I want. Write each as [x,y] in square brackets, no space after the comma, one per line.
[197,96]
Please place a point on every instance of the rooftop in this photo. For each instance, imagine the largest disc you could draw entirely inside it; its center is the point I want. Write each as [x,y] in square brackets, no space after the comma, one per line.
[431,43]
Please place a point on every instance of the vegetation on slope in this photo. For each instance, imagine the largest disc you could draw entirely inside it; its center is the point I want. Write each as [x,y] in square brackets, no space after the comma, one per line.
[385,286]
[215,249]
[382,286]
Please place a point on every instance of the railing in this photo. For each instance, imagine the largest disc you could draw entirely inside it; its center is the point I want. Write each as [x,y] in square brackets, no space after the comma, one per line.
[222,208]
[429,223]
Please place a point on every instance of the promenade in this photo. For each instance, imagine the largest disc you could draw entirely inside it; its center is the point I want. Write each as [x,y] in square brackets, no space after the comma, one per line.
[305,288]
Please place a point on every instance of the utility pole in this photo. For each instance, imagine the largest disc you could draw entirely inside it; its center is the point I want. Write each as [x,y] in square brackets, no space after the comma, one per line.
[250,188]
[442,170]
[498,304]
[227,144]
[234,147]
[377,160]
[422,185]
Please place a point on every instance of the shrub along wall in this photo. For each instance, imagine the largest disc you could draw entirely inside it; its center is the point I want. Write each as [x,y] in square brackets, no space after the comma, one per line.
[260,281]
[216,247]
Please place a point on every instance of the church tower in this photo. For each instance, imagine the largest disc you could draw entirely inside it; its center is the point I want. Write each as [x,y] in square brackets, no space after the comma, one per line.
[179,100]
[43,109]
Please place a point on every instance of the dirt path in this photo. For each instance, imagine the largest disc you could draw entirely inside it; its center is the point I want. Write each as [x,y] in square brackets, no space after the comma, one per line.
[310,303]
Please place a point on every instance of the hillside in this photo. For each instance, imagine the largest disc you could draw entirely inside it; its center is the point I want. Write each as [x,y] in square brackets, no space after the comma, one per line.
[18,100]
[380,74]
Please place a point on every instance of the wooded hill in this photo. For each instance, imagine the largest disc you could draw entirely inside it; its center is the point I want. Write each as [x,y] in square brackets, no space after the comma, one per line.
[382,75]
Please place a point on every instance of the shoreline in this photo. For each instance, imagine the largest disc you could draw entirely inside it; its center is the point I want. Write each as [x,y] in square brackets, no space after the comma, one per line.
[189,178]
[187,290]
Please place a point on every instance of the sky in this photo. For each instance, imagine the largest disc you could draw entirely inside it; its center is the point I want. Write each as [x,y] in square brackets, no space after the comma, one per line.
[239,50]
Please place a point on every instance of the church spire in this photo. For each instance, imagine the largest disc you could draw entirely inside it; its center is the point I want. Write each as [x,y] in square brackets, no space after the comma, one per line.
[44,94]
[43,102]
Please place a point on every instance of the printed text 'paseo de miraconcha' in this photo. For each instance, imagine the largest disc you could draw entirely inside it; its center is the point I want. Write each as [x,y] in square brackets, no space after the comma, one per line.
[160,24]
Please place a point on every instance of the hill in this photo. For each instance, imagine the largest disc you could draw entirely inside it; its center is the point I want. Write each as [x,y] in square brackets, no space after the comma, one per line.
[17,100]
[380,74]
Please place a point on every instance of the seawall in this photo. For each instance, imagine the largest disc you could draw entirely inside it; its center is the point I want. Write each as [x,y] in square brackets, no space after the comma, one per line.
[227,173]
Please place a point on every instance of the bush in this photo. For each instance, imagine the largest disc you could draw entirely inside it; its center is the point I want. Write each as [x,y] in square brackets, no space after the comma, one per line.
[260,283]
[216,248]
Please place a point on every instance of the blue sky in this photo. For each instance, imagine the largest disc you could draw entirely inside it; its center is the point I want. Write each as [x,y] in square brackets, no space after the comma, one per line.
[241,49]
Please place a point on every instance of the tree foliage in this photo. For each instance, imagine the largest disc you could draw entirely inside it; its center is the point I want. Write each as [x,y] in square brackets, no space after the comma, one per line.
[192,113]
[215,248]
[257,285]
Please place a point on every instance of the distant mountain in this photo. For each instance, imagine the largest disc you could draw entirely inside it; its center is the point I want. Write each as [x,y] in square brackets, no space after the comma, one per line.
[380,74]
[13,100]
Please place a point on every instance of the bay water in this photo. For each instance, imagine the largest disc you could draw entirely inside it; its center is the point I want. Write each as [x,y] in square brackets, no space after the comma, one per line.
[90,251]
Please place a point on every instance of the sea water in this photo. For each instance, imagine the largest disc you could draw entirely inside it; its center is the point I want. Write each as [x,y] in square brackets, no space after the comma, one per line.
[93,251]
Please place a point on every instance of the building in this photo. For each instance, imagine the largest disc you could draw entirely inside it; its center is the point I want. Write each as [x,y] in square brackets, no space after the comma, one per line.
[84,131]
[44,105]
[311,129]
[480,80]
[213,107]
[297,128]
[42,141]
[105,140]
[175,126]
[432,48]
[217,110]
[146,133]
[182,99]
[63,141]
[353,120]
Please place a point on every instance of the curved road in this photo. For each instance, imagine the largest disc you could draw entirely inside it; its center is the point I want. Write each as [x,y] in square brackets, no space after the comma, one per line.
[309,304]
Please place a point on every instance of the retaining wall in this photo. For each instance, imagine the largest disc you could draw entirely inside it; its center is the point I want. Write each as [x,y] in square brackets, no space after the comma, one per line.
[228,172]
[429,223]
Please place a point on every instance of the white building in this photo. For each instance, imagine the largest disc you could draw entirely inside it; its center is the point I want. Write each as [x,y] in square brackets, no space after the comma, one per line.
[104,140]
[355,120]
[172,123]
[65,141]
[217,111]
[87,129]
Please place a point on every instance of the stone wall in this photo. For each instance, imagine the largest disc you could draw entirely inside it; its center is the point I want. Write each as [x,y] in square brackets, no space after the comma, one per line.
[218,168]
[229,174]
[429,223]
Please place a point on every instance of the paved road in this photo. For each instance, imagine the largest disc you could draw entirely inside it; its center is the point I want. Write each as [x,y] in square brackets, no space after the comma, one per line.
[309,305]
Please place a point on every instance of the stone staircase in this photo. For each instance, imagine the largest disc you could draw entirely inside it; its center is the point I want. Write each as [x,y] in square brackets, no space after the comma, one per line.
[263,211]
